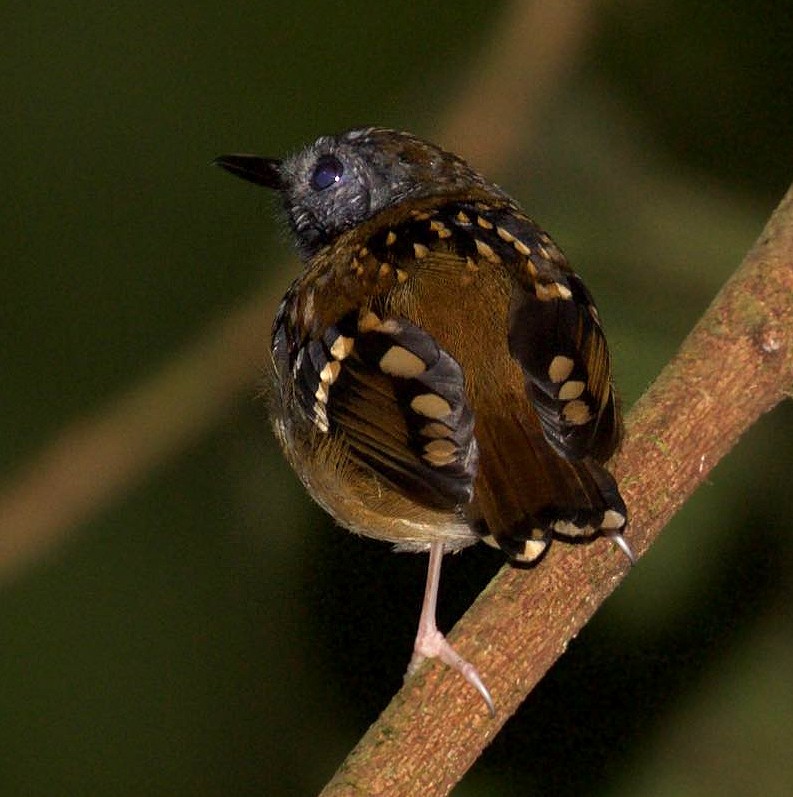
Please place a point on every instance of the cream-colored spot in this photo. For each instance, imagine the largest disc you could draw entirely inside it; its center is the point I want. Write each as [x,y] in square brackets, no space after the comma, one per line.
[431,405]
[440,447]
[363,251]
[470,265]
[521,247]
[436,430]
[320,417]
[390,326]
[462,218]
[384,270]
[505,235]
[330,373]
[571,390]
[532,549]
[560,368]
[570,529]
[390,239]
[341,347]
[486,251]
[564,291]
[420,250]
[420,215]
[402,275]
[546,291]
[321,393]
[440,229]
[593,311]
[484,223]
[440,452]
[576,412]
[543,253]
[612,520]
[355,264]
[368,321]
[398,361]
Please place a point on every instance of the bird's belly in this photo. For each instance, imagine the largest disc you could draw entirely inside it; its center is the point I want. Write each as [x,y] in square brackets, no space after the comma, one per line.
[362,502]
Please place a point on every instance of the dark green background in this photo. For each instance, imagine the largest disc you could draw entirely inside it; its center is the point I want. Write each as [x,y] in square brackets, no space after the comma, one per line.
[212,633]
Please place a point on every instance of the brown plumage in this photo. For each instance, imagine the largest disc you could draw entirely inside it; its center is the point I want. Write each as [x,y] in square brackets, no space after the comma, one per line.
[440,375]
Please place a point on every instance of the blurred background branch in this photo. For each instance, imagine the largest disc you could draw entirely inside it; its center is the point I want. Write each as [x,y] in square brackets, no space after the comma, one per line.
[94,461]
[502,97]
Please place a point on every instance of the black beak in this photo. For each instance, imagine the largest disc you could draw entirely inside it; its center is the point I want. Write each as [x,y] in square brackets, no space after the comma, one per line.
[262,171]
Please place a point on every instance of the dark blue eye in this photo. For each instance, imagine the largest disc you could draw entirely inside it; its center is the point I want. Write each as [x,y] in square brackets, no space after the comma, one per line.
[328,171]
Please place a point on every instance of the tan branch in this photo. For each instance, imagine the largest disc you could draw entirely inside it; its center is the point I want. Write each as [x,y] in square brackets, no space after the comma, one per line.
[502,101]
[93,461]
[735,365]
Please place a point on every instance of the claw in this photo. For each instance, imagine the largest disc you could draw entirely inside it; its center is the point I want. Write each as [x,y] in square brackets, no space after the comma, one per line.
[620,541]
[431,643]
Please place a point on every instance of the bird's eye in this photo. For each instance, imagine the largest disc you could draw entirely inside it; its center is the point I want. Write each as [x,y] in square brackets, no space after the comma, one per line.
[327,172]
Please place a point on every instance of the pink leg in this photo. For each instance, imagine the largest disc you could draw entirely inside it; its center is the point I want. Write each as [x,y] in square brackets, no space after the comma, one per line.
[431,643]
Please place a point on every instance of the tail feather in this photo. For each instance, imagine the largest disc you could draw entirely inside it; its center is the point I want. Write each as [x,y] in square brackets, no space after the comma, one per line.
[526,493]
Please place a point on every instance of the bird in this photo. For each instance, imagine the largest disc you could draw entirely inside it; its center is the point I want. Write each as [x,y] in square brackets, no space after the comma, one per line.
[439,374]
